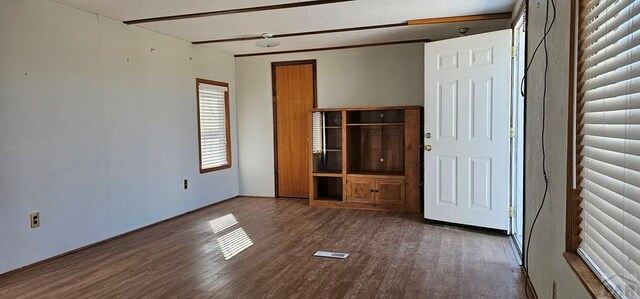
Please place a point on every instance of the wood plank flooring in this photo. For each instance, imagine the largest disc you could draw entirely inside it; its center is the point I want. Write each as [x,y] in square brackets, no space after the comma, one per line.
[392,255]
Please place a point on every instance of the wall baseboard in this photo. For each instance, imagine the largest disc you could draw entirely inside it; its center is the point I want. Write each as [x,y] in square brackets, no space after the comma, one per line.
[529,290]
[516,250]
[38,263]
[257,196]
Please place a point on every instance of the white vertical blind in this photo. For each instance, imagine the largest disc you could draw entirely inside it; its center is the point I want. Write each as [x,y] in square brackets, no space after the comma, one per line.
[317,119]
[609,102]
[213,126]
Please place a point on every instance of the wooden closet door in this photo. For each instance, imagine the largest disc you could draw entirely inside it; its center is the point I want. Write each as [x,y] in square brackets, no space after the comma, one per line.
[294,97]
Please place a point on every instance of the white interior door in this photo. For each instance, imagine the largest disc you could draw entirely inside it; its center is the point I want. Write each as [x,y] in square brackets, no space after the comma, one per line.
[467,98]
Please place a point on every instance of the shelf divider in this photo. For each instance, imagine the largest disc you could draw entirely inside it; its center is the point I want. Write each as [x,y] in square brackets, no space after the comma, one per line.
[374,124]
[327,174]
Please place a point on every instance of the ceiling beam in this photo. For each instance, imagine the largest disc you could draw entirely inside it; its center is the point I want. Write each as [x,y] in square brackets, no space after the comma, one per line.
[335,48]
[467,18]
[301,33]
[485,17]
[234,11]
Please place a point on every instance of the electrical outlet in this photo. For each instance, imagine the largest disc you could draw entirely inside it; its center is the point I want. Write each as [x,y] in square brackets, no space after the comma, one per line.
[186,184]
[35,219]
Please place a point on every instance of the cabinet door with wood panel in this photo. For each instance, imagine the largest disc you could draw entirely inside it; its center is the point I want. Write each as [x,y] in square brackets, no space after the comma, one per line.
[389,191]
[360,190]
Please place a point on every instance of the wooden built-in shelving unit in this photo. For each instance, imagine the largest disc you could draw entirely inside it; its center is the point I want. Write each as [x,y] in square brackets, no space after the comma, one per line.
[367,158]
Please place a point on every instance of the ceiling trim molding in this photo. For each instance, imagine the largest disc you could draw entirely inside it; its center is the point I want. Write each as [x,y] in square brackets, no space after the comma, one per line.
[234,11]
[335,48]
[302,33]
[522,9]
[468,18]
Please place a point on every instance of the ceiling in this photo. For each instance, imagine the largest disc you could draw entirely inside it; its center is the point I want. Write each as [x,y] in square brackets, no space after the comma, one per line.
[301,19]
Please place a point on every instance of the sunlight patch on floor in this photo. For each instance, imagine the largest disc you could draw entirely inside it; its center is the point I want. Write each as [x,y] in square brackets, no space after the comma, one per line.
[234,242]
[222,223]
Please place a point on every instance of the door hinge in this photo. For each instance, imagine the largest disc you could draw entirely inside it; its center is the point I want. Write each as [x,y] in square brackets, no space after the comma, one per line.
[512,132]
[514,51]
[511,212]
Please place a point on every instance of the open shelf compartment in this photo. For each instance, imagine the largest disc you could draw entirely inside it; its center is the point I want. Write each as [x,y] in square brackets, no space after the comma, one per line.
[376,150]
[327,142]
[327,162]
[332,119]
[328,188]
[383,116]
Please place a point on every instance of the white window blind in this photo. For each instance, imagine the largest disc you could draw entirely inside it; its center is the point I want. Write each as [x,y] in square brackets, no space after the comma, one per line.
[214,146]
[609,124]
[317,119]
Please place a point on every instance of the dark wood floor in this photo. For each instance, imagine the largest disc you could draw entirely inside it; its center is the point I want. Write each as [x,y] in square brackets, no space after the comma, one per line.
[392,255]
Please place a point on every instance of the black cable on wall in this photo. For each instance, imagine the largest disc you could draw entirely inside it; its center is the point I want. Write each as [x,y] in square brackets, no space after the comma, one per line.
[550,18]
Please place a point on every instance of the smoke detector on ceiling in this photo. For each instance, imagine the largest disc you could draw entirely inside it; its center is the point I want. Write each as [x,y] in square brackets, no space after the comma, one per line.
[267,41]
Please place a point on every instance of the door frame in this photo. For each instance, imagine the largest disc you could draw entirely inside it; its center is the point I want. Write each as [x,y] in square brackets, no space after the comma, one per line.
[274,65]
[522,13]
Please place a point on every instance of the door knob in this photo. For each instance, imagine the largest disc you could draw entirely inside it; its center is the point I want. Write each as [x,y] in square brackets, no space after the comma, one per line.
[428,147]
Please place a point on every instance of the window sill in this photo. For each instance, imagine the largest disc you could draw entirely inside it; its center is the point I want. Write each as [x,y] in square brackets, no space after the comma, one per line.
[206,170]
[591,282]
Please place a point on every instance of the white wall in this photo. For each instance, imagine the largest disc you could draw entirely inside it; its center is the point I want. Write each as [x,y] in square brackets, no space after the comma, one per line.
[374,76]
[548,239]
[97,131]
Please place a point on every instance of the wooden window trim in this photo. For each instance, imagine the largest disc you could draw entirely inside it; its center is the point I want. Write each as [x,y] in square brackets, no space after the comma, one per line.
[589,280]
[227,126]
[573,195]
[587,277]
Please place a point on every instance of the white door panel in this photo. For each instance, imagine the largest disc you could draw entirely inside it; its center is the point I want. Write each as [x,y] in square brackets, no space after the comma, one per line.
[447,189]
[467,92]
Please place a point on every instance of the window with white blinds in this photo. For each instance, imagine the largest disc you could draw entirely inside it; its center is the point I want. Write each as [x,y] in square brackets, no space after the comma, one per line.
[213,125]
[609,142]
